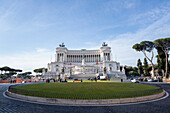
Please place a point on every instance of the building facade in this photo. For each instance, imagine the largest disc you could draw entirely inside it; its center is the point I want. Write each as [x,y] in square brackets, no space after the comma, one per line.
[83,63]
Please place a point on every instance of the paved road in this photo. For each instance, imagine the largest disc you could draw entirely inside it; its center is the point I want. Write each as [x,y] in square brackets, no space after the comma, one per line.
[8,105]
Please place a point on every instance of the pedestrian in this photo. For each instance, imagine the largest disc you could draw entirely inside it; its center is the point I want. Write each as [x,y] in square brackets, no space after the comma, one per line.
[159,79]
[121,80]
[81,80]
[95,79]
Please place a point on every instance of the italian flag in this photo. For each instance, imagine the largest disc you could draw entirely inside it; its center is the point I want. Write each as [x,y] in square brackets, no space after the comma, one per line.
[96,62]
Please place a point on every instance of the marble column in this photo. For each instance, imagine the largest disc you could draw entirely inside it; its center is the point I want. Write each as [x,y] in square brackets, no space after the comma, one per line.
[93,58]
[87,58]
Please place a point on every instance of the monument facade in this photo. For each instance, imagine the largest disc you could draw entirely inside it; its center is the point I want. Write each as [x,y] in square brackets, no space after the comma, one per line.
[83,63]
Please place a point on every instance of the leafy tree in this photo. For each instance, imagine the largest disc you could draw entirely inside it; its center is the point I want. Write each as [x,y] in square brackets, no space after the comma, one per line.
[6,68]
[46,69]
[159,66]
[161,60]
[129,70]
[18,70]
[1,69]
[40,70]
[125,67]
[121,68]
[146,46]
[25,75]
[28,73]
[104,70]
[164,44]
[10,71]
[140,68]
[169,67]
[145,67]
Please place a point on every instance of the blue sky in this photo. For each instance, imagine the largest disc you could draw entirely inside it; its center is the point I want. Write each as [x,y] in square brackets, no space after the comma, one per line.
[30,30]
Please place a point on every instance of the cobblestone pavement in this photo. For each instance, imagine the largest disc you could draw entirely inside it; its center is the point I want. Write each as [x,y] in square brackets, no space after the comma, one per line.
[13,106]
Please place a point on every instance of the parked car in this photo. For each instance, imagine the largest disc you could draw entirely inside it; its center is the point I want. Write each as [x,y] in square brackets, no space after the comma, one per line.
[156,80]
[101,77]
[152,80]
[24,81]
[70,77]
[134,81]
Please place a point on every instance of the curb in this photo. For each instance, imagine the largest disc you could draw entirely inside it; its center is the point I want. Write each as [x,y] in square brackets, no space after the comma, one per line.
[85,102]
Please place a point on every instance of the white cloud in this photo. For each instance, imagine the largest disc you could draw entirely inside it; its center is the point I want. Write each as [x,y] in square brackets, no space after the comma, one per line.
[40,50]
[6,15]
[122,44]
[150,16]
[115,6]
[128,4]
[28,61]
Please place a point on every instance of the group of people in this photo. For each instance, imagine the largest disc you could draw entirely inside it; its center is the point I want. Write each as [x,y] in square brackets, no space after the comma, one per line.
[94,79]
[149,79]
[48,80]
[13,81]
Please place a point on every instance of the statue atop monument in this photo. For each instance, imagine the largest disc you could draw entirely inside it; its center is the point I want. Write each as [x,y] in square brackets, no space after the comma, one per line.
[104,44]
[84,56]
[83,60]
[62,45]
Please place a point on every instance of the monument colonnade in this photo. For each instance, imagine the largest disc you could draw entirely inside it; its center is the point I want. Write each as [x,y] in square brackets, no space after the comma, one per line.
[60,57]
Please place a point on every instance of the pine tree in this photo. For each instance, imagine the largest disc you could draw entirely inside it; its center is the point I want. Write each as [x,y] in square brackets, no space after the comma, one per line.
[159,66]
[140,68]
[164,44]
[161,60]
[146,46]
[146,68]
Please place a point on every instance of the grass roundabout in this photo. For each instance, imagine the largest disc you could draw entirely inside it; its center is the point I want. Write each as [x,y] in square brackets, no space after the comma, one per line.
[86,90]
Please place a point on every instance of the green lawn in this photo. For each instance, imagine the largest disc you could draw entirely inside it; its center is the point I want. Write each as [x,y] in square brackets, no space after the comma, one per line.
[91,81]
[86,90]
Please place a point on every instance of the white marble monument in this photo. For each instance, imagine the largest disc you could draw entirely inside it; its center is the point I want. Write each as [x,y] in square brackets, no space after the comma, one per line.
[83,63]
